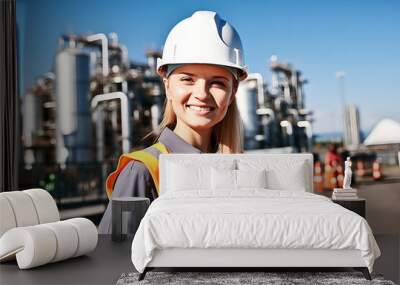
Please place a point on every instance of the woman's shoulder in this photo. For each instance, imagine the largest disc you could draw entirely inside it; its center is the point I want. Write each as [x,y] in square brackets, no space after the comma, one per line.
[135,168]
[134,181]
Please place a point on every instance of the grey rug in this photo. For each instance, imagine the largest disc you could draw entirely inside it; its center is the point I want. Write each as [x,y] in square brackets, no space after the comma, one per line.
[229,278]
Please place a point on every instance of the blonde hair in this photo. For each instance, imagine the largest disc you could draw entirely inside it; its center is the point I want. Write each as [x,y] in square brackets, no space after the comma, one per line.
[227,134]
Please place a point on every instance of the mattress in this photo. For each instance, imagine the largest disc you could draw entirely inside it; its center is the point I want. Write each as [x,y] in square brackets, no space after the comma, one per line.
[250,219]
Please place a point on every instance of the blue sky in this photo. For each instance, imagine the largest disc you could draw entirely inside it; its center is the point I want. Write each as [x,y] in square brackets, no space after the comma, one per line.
[318,37]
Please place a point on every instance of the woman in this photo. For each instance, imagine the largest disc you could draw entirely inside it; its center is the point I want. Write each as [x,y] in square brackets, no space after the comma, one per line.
[201,67]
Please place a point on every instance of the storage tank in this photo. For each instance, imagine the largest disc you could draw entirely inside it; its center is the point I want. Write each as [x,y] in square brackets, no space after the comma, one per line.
[32,119]
[32,125]
[73,121]
[247,98]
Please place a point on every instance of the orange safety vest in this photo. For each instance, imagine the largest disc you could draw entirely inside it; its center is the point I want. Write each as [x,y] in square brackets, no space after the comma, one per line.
[143,156]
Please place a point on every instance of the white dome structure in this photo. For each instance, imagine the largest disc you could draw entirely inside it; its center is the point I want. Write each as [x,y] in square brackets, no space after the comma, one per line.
[386,131]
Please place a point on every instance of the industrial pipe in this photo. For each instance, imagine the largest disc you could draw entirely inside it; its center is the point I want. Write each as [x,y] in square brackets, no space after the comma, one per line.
[294,112]
[260,86]
[286,91]
[124,55]
[307,126]
[104,50]
[266,111]
[124,114]
[289,131]
[286,124]
[309,133]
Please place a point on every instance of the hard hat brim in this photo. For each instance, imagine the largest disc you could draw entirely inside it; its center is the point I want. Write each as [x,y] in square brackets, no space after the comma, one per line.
[162,67]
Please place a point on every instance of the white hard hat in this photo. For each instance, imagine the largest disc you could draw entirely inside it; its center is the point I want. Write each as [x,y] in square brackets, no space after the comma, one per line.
[203,38]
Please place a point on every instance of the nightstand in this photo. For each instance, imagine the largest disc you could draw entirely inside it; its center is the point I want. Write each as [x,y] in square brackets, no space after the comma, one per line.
[137,205]
[356,205]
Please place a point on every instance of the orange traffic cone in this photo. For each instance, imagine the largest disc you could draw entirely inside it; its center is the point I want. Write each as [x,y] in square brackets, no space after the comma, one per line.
[334,178]
[318,179]
[376,170]
[360,168]
[340,176]
[327,176]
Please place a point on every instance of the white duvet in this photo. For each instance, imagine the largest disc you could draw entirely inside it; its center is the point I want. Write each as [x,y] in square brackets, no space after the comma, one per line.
[253,218]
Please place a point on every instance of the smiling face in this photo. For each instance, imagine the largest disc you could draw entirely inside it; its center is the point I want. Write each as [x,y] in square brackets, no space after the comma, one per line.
[200,94]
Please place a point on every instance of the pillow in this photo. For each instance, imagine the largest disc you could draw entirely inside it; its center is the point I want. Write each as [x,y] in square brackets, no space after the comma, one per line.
[251,178]
[223,179]
[229,179]
[190,176]
[281,174]
[182,177]
[295,180]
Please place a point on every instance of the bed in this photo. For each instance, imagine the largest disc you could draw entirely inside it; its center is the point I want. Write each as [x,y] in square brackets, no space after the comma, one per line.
[245,211]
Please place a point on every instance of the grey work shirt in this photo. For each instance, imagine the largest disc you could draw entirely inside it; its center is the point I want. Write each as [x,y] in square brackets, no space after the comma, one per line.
[135,179]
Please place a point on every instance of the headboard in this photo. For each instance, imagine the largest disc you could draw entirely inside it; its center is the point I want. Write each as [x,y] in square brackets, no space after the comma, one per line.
[281,165]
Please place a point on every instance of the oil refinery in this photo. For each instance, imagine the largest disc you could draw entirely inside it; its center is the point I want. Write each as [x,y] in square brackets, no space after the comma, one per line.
[95,103]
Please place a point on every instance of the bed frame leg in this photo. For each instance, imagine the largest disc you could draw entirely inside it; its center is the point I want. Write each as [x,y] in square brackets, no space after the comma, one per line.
[364,271]
[143,274]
